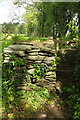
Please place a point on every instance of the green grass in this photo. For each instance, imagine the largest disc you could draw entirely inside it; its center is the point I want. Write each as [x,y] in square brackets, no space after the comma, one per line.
[43,39]
[6,43]
[16,38]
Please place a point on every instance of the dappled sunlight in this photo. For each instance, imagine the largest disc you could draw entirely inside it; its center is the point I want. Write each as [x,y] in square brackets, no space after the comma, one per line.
[36,107]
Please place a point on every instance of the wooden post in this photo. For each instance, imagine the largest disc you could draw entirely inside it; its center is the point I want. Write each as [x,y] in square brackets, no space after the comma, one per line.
[57,44]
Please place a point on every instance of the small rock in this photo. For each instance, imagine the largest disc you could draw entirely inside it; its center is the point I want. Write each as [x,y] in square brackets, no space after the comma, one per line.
[6,58]
[31,71]
[33,53]
[50,58]
[36,57]
[6,61]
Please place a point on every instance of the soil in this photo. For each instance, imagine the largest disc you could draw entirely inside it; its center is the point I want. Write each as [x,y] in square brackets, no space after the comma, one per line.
[53,112]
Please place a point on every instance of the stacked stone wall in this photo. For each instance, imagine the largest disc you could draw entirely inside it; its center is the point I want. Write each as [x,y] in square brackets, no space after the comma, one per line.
[35,53]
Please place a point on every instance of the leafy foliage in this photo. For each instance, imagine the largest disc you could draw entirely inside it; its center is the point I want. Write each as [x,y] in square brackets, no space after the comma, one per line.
[42,70]
[36,97]
[73,29]
[9,79]
[17,38]
[72,101]
[73,96]
[49,19]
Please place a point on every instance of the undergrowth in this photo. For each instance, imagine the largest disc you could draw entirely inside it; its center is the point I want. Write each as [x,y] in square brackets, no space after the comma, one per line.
[72,96]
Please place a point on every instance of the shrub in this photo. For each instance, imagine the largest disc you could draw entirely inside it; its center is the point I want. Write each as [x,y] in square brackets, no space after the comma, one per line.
[73,96]
[72,101]
[17,38]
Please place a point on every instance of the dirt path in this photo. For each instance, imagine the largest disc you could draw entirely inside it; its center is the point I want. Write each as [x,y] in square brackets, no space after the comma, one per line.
[53,112]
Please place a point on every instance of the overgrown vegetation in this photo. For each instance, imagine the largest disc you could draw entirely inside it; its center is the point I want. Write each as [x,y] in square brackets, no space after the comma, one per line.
[42,70]
[34,98]
[40,21]
[72,96]
[72,100]
[13,77]
[44,19]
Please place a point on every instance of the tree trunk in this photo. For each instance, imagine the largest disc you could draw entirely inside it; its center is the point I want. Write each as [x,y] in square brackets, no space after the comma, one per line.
[53,32]
[68,20]
[44,19]
[79,20]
